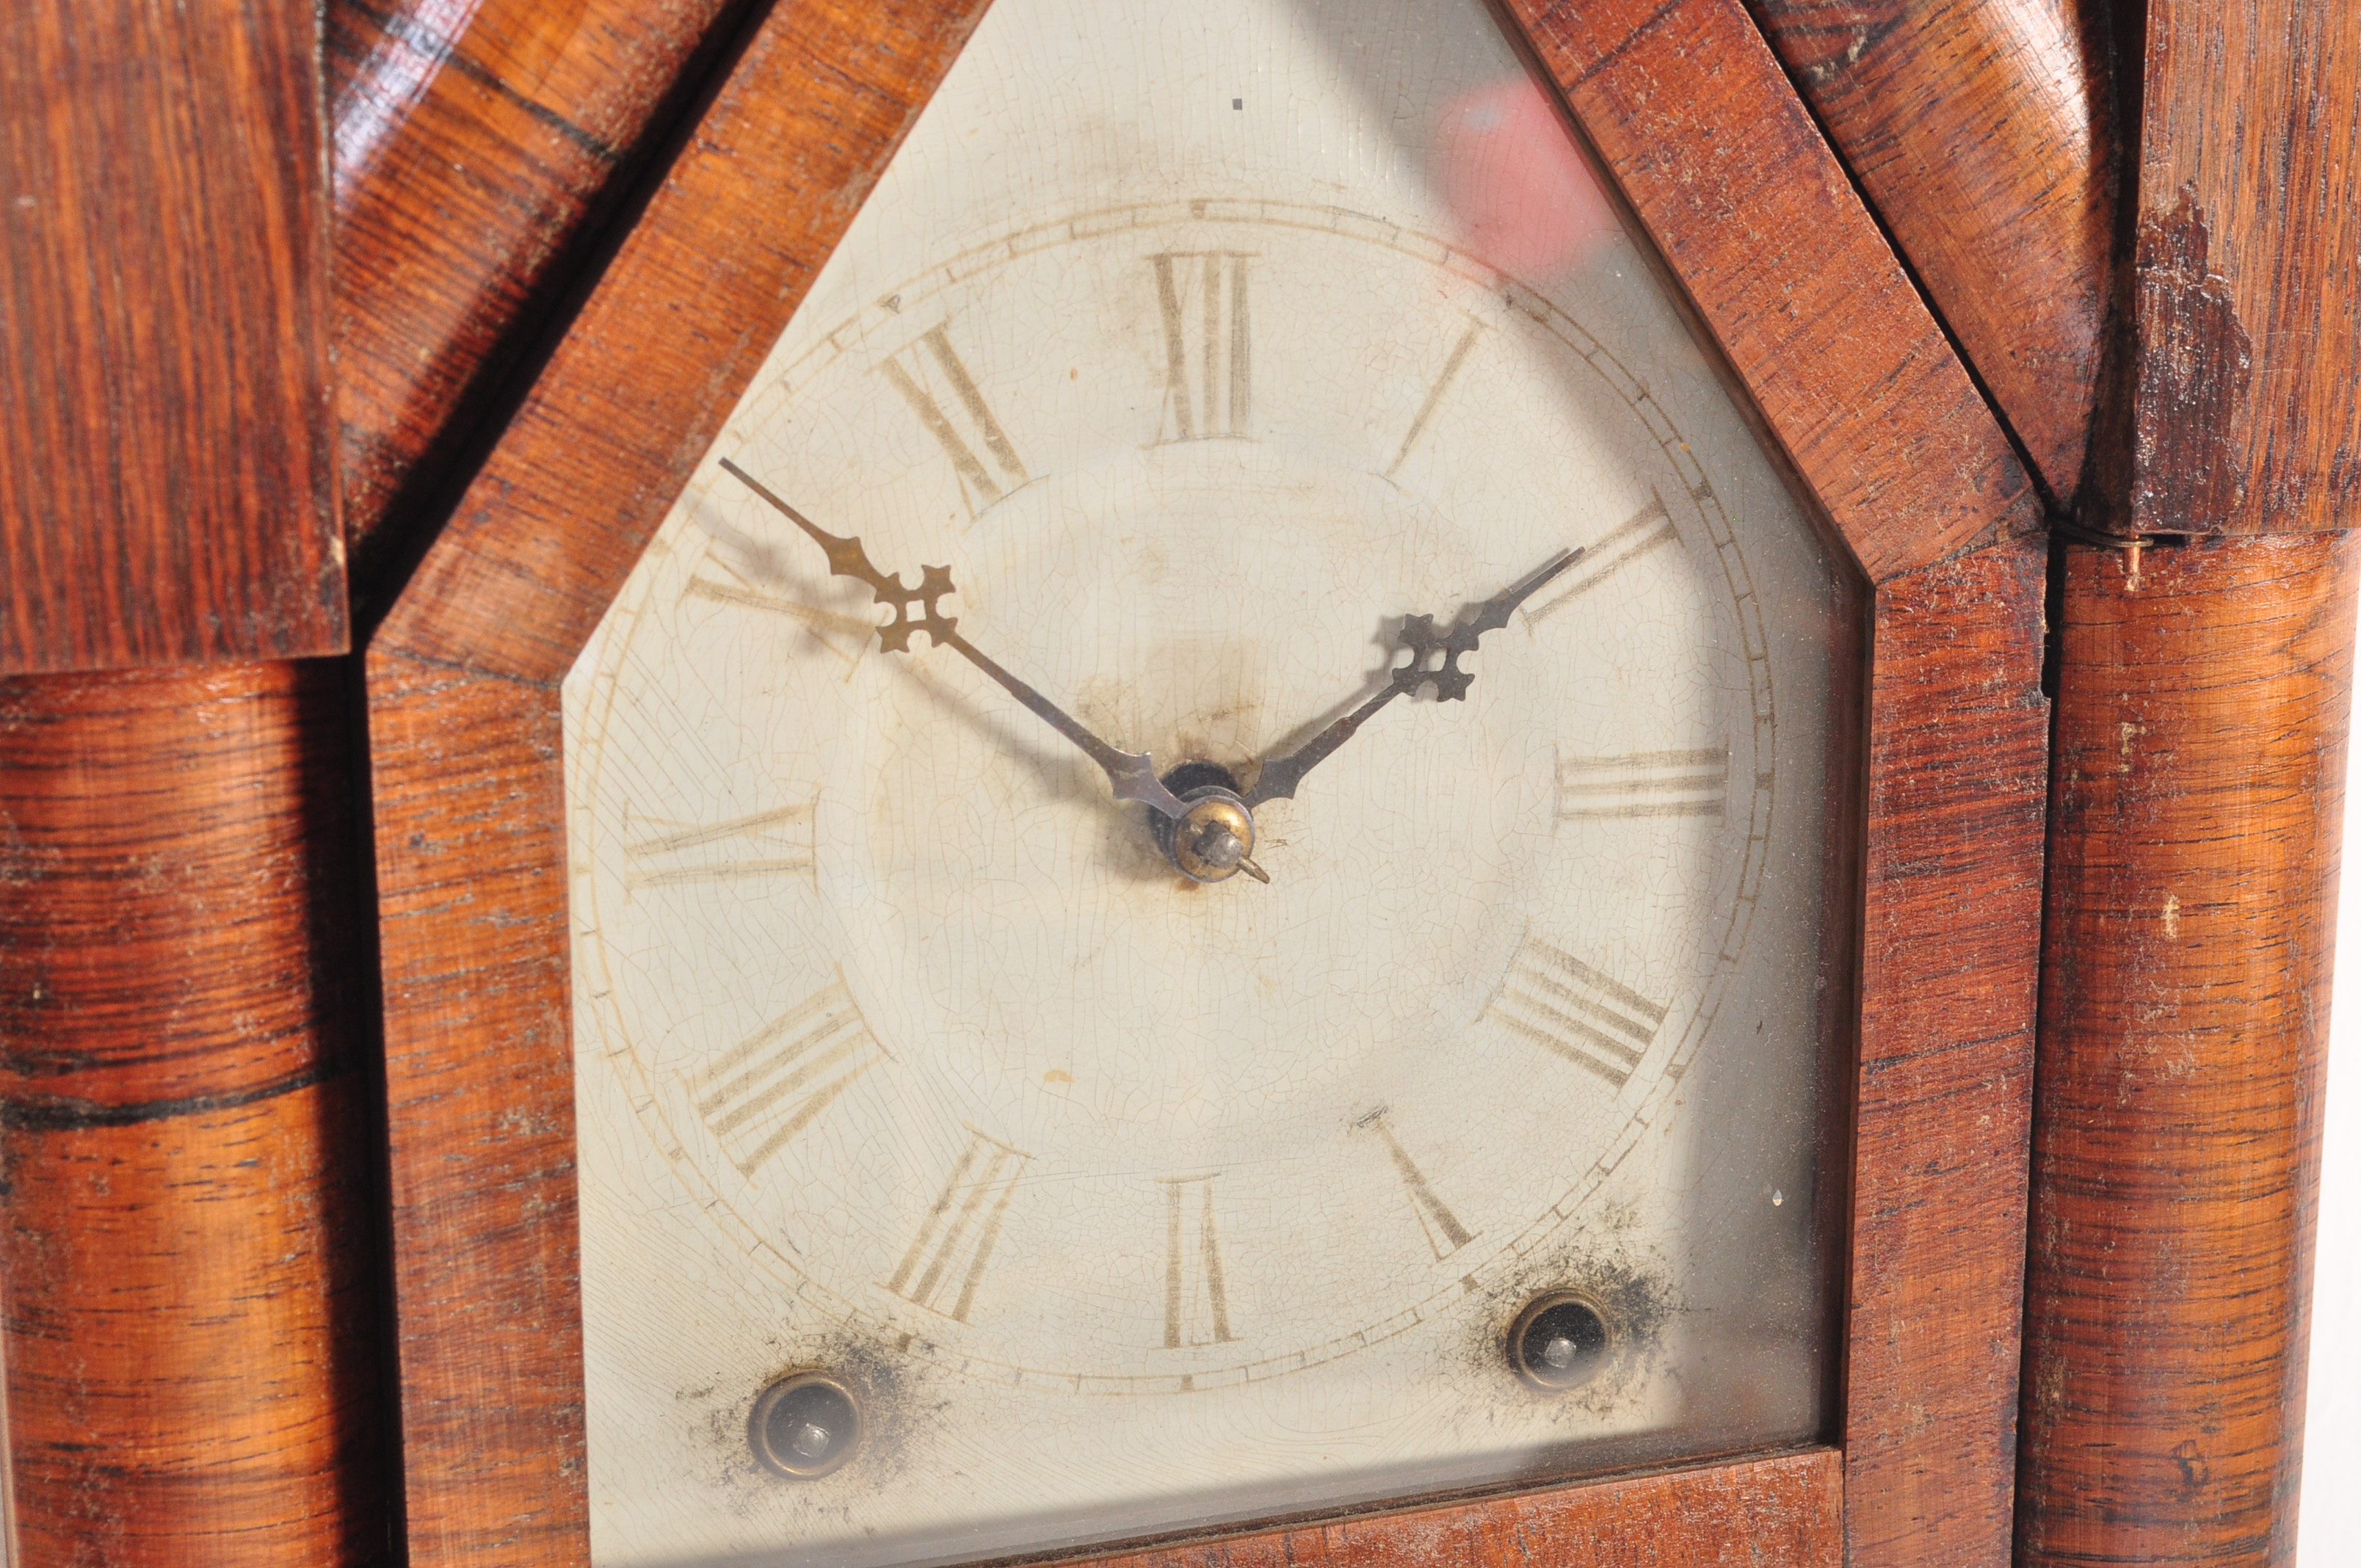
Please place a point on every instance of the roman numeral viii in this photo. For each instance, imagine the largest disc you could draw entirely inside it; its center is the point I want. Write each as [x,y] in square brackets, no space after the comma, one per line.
[955,1241]
[1562,1005]
[1645,532]
[1193,1266]
[767,1089]
[1208,345]
[772,843]
[1643,783]
[935,382]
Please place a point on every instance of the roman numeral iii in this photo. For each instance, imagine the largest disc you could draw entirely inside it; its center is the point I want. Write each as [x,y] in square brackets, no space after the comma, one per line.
[1643,783]
[767,1089]
[935,382]
[955,1241]
[1208,345]
[1558,1003]
[1196,1306]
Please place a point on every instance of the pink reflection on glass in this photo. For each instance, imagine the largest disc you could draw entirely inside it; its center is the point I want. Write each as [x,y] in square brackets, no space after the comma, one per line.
[1525,201]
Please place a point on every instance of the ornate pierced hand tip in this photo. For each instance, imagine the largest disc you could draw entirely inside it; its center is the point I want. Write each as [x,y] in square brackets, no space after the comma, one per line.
[846,558]
[1434,655]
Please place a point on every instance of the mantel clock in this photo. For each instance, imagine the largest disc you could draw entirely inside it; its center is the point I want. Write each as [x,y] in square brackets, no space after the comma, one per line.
[1193,767]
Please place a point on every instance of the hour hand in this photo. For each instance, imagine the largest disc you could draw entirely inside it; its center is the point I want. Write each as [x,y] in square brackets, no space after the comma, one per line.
[1131,774]
[1434,659]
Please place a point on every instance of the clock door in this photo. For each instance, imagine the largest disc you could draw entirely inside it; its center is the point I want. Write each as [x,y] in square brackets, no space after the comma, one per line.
[1274,399]
[1181,813]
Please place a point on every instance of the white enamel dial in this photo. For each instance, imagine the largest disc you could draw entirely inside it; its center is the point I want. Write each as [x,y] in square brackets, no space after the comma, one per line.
[1112,1198]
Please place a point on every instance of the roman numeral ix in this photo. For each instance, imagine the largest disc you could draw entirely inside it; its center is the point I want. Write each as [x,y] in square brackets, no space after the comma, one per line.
[1208,345]
[955,1241]
[1643,533]
[935,382]
[1562,1005]
[772,843]
[1193,1266]
[1643,783]
[767,1089]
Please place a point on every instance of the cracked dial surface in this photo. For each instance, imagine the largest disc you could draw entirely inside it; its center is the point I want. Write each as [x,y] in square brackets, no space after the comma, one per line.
[1114,1200]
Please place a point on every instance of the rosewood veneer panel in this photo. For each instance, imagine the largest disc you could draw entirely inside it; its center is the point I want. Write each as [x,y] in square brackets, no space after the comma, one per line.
[189,1308]
[2238,412]
[1984,131]
[167,478]
[1853,379]
[471,152]
[1959,740]
[1787,1511]
[2199,792]
[1687,106]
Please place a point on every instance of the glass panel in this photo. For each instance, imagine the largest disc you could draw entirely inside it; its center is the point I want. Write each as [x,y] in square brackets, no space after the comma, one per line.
[973,1161]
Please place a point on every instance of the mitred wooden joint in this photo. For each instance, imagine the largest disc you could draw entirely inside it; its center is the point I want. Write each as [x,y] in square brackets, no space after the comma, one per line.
[2198,797]
[473,147]
[186,1277]
[1984,135]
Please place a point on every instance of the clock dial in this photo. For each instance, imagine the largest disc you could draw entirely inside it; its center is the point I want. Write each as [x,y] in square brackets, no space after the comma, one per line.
[1408,1077]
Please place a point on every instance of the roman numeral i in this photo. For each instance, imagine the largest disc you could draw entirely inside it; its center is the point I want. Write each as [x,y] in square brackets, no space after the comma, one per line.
[1192,1264]
[935,382]
[777,842]
[956,1239]
[1643,783]
[1555,1001]
[767,1089]
[1208,345]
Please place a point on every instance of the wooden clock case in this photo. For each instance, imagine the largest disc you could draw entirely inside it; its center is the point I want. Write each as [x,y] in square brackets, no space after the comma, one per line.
[1852,381]
[2072,325]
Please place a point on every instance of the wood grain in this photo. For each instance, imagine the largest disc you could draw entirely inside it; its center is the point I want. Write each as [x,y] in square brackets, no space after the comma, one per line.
[479,1073]
[1984,133]
[477,149]
[662,350]
[2199,792]
[2235,395]
[1688,107]
[185,1273]
[470,827]
[1786,1511]
[1852,376]
[167,478]
[1959,740]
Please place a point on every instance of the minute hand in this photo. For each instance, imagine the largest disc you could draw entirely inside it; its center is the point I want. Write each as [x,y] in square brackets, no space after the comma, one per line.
[1131,774]
[1425,645]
